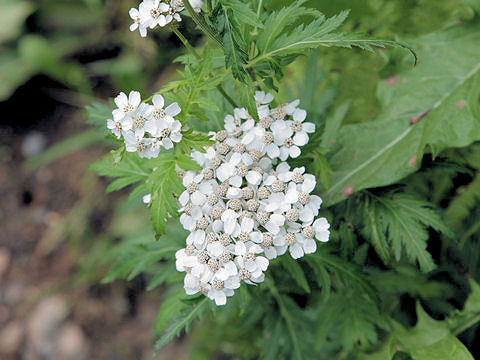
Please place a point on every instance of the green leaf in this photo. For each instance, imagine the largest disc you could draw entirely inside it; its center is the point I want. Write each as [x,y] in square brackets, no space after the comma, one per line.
[170,308]
[430,340]
[194,141]
[296,271]
[399,221]
[235,55]
[460,321]
[434,106]
[97,114]
[128,168]
[188,314]
[354,316]
[164,185]
[242,12]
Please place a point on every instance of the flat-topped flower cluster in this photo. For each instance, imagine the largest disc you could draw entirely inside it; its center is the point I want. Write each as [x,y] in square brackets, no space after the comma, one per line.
[248,206]
[153,13]
[145,128]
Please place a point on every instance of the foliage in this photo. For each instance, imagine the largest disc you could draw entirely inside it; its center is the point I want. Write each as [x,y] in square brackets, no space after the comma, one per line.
[400,186]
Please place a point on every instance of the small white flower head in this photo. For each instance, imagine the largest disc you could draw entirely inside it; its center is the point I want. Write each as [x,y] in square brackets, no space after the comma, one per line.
[146,128]
[137,22]
[126,105]
[152,13]
[247,205]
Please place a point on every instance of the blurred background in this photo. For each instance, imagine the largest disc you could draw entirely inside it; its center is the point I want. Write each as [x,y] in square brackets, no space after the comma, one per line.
[58,229]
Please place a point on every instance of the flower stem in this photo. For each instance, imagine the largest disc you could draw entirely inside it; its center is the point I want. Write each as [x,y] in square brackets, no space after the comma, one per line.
[195,53]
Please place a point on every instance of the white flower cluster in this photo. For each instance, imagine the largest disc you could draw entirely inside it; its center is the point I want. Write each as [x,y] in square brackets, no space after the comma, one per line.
[135,121]
[247,206]
[152,13]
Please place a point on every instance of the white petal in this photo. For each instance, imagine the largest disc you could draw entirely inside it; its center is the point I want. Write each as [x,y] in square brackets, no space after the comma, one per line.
[134,98]
[158,101]
[220,298]
[300,138]
[310,246]
[198,198]
[308,127]
[173,109]
[299,115]
[294,152]
[184,197]
[296,251]
[121,100]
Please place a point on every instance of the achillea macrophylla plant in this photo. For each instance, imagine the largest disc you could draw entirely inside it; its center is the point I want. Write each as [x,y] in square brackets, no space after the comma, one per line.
[240,183]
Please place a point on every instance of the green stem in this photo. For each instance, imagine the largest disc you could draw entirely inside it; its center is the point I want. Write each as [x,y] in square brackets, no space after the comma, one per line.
[458,330]
[197,55]
[202,24]
[286,316]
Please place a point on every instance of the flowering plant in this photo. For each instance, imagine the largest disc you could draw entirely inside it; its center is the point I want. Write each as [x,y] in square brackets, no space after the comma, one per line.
[240,185]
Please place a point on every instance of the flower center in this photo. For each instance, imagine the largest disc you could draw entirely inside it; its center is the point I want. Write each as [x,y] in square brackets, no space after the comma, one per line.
[202,257]
[292,215]
[296,126]
[278,186]
[192,187]
[268,138]
[216,213]
[290,239]
[288,143]
[308,231]
[188,209]
[155,13]
[223,148]
[297,178]
[244,274]
[235,204]
[266,122]
[244,237]
[263,193]
[253,205]
[127,108]
[213,264]
[303,198]
[249,257]
[267,240]
[217,284]
[141,147]
[139,122]
[165,133]
[202,224]
[158,114]
[263,216]
[225,239]
[221,135]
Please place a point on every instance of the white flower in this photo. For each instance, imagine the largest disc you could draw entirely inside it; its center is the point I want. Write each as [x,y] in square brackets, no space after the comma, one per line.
[139,118]
[167,114]
[245,207]
[140,145]
[321,226]
[196,190]
[126,105]
[196,5]
[137,22]
[147,198]
[169,132]
[219,290]
[116,127]
[175,7]
[301,129]
[152,13]
[262,99]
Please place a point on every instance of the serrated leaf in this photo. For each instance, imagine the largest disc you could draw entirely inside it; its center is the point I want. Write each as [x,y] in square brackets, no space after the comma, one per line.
[397,223]
[97,114]
[128,169]
[194,141]
[434,106]
[296,271]
[189,313]
[164,185]
[242,12]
